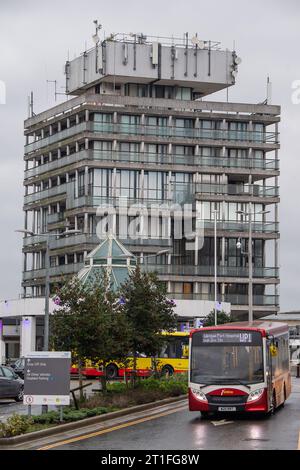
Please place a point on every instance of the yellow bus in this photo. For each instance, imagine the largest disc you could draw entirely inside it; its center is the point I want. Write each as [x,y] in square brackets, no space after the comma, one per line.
[172,359]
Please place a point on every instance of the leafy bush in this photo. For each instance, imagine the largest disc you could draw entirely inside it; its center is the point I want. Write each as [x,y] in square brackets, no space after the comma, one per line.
[46,418]
[15,425]
[69,415]
[171,386]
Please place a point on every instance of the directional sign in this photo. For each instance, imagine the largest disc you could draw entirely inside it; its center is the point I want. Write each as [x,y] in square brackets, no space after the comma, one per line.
[47,378]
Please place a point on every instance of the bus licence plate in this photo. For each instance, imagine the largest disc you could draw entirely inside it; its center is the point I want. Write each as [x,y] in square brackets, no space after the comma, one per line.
[226,408]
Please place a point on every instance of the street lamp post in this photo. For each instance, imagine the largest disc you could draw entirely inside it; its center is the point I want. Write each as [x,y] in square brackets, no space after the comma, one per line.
[47,236]
[215,211]
[249,214]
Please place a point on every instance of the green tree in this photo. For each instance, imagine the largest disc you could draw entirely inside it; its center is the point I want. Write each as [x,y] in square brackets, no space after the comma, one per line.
[89,324]
[148,311]
[222,317]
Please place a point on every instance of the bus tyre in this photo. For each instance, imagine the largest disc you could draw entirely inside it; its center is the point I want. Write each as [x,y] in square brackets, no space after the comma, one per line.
[273,407]
[112,371]
[284,396]
[167,371]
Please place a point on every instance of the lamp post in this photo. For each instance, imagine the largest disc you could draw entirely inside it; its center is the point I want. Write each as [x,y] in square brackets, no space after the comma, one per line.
[250,215]
[47,236]
[215,212]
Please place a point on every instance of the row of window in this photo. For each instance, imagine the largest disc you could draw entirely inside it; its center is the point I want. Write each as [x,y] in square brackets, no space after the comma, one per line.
[154,121]
[185,123]
[153,149]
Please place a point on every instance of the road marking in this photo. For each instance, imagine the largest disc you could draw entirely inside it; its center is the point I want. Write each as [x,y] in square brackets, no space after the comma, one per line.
[114,428]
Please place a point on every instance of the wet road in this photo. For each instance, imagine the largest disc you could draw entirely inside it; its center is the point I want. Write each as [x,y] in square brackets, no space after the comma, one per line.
[182,430]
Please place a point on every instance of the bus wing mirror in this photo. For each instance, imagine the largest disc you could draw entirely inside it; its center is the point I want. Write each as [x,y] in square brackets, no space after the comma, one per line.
[273,350]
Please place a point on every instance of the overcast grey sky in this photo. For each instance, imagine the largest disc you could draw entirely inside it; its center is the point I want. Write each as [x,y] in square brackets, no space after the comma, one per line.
[35,37]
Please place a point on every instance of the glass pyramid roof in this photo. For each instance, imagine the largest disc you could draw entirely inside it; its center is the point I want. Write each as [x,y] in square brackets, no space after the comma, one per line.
[109,256]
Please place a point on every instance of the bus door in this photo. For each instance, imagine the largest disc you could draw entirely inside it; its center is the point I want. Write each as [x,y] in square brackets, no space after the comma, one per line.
[269,371]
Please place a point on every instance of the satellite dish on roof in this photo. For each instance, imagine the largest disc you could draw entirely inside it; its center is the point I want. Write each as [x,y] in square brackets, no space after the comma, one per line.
[238,60]
[198,42]
[234,73]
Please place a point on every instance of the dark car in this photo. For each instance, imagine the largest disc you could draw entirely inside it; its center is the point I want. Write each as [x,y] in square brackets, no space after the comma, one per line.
[19,367]
[11,385]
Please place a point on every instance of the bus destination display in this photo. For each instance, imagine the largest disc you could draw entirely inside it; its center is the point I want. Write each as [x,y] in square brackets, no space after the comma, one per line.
[240,337]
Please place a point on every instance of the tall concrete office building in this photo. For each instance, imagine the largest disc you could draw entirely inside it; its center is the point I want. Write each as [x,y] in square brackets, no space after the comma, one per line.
[139,133]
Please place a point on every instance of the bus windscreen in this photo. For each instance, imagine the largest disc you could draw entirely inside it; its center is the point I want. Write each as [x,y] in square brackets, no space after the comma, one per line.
[226,356]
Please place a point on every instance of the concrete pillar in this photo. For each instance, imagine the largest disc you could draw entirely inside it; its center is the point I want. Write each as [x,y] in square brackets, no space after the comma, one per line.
[2,344]
[85,227]
[86,180]
[28,335]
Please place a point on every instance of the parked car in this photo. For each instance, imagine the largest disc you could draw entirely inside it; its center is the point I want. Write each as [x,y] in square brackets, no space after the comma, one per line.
[11,385]
[19,367]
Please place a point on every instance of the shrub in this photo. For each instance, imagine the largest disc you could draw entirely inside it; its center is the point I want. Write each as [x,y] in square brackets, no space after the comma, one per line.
[15,425]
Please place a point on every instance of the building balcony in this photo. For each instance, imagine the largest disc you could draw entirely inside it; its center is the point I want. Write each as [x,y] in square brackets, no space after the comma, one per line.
[52,139]
[147,158]
[238,226]
[237,190]
[54,271]
[167,270]
[188,133]
[118,201]
[45,194]
[92,240]
[234,299]
[56,217]
[208,271]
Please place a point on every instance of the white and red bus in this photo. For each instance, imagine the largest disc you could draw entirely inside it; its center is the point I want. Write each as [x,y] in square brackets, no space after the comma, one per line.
[239,367]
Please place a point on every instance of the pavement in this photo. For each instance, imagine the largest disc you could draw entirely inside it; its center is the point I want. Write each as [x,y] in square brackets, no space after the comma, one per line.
[173,427]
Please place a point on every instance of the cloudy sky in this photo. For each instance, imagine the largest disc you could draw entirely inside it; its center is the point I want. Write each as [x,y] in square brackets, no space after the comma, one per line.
[36,37]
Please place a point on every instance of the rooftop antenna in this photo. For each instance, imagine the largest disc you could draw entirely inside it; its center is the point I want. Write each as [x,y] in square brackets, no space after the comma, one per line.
[269,90]
[95,36]
[96,40]
[30,105]
[56,93]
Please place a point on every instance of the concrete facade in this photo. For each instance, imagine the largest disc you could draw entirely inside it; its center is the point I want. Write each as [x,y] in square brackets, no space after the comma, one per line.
[138,131]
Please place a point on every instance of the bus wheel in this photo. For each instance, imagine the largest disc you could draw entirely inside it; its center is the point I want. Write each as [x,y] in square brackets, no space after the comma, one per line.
[284,396]
[167,370]
[112,371]
[274,405]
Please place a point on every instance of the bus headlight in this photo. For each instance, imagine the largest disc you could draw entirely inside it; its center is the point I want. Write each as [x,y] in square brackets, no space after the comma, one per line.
[199,395]
[255,395]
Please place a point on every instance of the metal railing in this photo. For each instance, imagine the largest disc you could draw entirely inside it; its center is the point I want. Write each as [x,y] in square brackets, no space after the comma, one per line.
[235,299]
[80,239]
[237,189]
[238,226]
[45,194]
[222,271]
[51,139]
[189,133]
[153,159]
